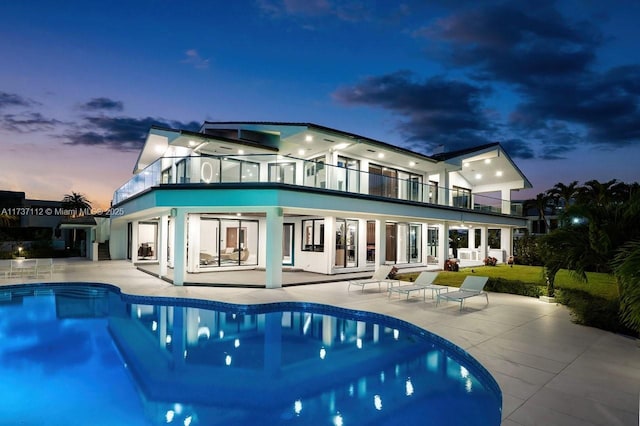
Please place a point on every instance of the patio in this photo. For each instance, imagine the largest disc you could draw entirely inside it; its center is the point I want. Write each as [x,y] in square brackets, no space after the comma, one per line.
[551,371]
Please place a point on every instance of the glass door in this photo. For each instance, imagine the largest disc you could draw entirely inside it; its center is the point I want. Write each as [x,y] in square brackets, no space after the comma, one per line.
[287,244]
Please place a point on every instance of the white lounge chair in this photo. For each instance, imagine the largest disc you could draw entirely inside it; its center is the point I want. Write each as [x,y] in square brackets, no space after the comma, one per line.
[471,286]
[378,277]
[23,268]
[423,282]
[44,266]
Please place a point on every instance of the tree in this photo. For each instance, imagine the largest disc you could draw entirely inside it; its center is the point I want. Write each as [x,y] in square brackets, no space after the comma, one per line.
[78,205]
[600,233]
[564,195]
[76,202]
[541,203]
[8,219]
[627,270]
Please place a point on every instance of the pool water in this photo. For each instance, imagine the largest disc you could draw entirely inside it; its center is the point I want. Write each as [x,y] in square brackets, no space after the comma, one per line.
[87,354]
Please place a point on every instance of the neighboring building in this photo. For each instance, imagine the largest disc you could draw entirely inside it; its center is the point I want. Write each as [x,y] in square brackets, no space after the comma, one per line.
[238,196]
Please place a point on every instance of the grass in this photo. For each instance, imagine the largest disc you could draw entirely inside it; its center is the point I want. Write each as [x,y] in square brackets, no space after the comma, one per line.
[598,284]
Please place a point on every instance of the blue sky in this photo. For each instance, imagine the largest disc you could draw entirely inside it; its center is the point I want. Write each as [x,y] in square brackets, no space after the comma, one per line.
[557,82]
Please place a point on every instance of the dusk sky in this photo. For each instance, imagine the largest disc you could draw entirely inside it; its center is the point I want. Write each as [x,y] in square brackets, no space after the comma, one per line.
[81,82]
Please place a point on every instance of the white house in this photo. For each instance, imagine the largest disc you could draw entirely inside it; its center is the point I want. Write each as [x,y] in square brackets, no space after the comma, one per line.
[237,196]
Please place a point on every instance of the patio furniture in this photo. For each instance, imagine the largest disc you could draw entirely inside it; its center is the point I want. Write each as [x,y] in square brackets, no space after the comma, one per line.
[471,286]
[379,276]
[423,282]
[44,266]
[22,268]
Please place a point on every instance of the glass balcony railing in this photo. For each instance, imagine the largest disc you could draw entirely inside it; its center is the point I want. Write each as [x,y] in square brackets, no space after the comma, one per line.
[213,170]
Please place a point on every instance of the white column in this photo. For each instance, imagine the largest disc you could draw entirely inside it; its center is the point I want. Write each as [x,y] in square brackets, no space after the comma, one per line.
[134,241]
[443,189]
[381,242]
[163,244]
[275,222]
[329,243]
[443,244]
[505,194]
[506,242]
[484,242]
[180,249]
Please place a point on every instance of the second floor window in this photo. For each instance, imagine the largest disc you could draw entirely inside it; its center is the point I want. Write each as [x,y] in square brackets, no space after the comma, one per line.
[461,197]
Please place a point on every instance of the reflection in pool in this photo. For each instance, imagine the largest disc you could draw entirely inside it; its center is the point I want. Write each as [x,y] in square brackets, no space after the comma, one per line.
[85,354]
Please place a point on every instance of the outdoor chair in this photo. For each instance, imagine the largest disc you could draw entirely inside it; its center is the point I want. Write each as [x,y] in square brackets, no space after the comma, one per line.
[471,286]
[44,266]
[379,276]
[23,268]
[423,282]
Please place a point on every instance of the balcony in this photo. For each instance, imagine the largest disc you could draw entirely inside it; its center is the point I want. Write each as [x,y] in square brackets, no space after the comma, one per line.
[212,170]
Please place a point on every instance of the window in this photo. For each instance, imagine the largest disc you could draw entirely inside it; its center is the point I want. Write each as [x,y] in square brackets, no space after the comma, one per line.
[348,174]
[282,173]
[313,235]
[433,192]
[383,181]
[346,243]
[371,241]
[182,175]
[315,174]
[461,197]
[239,171]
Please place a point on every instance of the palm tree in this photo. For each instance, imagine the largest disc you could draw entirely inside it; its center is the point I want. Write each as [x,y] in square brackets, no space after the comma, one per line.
[8,219]
[76,202]
[604,237]
[627,271]
[564,195]
[541,204]
[600,193]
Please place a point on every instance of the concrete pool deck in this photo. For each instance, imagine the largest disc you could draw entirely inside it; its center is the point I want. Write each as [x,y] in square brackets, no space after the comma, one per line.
[551,371]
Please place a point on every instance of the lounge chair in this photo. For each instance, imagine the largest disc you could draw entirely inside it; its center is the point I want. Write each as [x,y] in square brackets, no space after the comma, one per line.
[378,277]
[471,286]
[23,268]
[44,266]
[423,283]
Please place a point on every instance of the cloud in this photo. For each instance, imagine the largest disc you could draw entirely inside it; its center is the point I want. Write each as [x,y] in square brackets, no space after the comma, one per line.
[435,111]
[27,122]
[548,63]
[119,133]
[13,100]
[342,10]
[106,104]
[520,43]
[193,58]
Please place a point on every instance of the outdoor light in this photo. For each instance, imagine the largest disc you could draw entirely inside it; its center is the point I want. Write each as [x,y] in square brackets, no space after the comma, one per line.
[380,155]
[308,138]
[499,173]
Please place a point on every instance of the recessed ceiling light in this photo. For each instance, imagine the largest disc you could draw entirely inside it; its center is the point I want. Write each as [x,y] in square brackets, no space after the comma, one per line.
[308,138]
[301,151]
[240,151]
[465,164]
[499,173]
[412,163]
[380,155]
[342,146]
[487,161]
[478,176]
[192,143]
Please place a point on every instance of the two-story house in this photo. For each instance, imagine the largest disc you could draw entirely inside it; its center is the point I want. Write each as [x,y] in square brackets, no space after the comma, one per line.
[237,196]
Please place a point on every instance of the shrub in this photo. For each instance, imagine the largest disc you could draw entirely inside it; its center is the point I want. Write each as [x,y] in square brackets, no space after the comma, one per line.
[521,288]
[593,311]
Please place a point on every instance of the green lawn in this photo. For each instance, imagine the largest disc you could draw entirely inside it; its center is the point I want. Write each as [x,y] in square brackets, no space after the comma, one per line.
[598,284]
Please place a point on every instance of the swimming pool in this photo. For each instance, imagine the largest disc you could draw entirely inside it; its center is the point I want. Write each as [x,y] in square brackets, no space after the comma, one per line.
[87,354]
